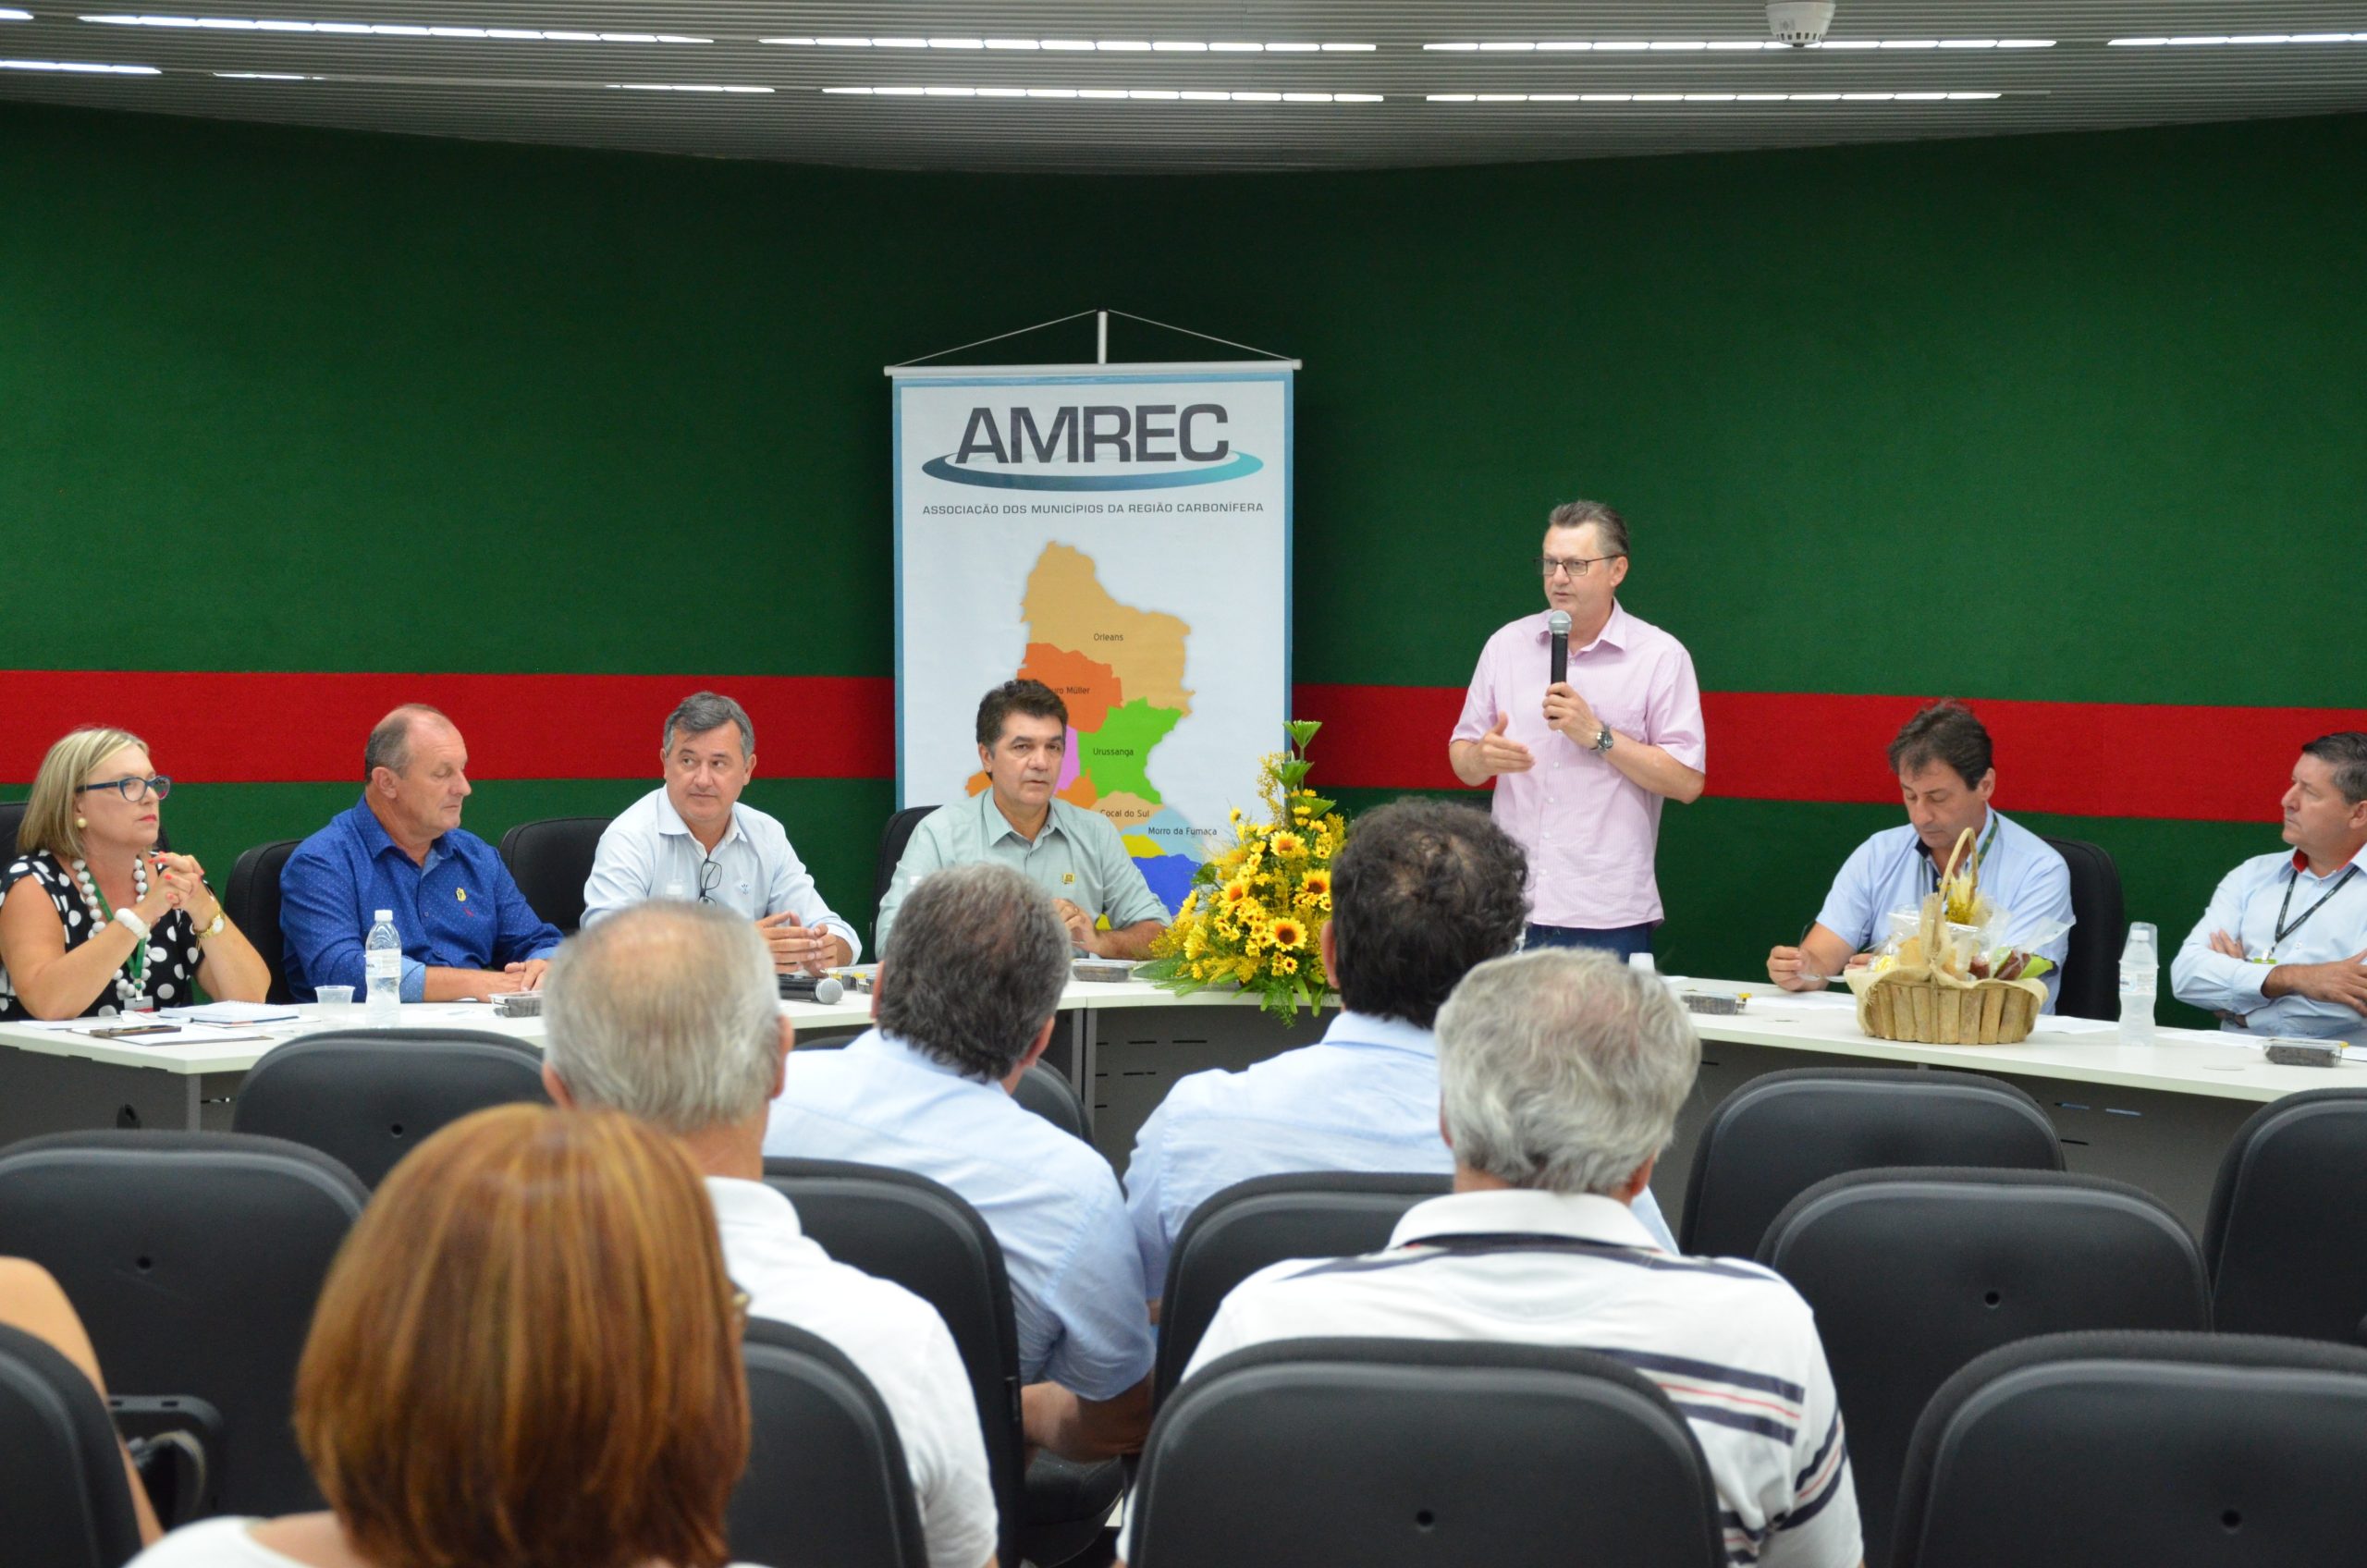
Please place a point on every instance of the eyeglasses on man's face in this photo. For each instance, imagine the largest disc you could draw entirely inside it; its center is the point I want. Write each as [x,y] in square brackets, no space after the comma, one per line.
[131,786]
[1576,566]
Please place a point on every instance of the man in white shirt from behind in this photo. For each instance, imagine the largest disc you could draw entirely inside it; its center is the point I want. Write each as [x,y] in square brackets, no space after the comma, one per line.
[1422,892]
[668,1011]
[1561,1074]
[692,838]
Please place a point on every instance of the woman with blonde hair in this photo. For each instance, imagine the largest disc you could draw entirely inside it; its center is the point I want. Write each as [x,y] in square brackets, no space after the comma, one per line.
[94,919]
[526,1355]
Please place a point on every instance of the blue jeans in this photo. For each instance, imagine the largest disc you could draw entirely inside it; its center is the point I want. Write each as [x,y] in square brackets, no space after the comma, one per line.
[1624,940]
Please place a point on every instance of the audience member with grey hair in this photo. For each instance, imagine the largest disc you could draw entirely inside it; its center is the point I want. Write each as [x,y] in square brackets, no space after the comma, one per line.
[965,1004]
[1422,890]
[668,1011]
[1561,1070]
[691,839]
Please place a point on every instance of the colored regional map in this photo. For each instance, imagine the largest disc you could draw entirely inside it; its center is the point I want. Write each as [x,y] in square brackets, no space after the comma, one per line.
[1120,669]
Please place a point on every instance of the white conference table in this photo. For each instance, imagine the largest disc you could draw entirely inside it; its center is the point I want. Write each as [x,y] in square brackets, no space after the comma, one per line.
[2157,1116]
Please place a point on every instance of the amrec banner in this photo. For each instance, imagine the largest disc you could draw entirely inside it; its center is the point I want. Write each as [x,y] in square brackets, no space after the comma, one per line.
[1124,537]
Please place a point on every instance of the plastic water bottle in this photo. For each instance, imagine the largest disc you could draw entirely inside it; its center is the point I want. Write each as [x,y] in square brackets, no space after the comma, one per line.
[382,960]
[2141,974]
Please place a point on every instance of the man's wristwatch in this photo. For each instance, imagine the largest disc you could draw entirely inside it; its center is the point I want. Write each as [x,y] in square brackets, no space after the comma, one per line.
[1602,741]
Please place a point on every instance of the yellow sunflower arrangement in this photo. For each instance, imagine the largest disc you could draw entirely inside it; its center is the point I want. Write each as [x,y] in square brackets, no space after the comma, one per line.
[1254,914]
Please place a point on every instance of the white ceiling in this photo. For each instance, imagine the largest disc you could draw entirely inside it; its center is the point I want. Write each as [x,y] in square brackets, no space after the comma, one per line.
[560,91]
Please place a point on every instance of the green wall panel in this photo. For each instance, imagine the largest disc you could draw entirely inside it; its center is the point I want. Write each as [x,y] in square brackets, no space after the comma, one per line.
[2017,416]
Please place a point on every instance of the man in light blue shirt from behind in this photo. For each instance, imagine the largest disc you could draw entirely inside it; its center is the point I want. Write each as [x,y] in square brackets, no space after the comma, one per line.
[1945,777]
[1422,892]
[968,984]
[2283,947]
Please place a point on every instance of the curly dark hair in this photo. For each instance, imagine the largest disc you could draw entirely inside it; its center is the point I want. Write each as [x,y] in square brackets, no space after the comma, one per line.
[1944,731]
[1422,893]
[1030,697]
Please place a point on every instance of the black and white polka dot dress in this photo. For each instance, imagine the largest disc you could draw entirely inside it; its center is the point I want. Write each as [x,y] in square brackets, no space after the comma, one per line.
[172,945]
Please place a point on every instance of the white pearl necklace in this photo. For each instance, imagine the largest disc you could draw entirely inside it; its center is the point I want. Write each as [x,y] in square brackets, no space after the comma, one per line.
[127,990]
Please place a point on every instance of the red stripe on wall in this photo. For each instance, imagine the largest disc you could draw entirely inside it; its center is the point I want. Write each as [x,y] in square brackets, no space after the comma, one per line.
[254,729]
[2083,759]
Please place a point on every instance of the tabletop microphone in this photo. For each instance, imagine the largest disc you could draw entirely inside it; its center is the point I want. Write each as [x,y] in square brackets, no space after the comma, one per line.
[1558,623]
[823,989]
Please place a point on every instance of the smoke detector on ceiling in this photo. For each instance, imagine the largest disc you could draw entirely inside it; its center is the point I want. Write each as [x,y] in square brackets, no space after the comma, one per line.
[1798,21]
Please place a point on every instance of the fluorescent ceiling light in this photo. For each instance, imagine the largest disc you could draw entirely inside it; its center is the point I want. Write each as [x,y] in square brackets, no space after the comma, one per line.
[1742,46]
[77,67]
[395,29]
[2215,39]
[679,87]
[1709,97]
[265,76]
[1077,45]
[1135,94]
[7,16]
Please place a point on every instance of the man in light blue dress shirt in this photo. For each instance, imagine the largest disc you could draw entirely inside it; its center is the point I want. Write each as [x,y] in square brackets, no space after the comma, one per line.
[968,985]
[1018,821]
[693,839]
[2283,947]
[1422,892]
[1945,776]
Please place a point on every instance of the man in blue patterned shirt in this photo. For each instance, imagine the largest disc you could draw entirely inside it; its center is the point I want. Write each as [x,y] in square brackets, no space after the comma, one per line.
[466,929]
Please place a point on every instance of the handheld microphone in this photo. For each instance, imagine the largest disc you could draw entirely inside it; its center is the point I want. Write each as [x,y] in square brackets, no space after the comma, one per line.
[1558,623]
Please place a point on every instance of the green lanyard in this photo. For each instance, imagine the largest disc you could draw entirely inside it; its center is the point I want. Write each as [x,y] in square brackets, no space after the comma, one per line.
[1980,851]
[137,965]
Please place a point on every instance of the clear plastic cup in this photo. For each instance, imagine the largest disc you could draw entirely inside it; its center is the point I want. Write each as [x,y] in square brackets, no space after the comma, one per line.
[336,1001]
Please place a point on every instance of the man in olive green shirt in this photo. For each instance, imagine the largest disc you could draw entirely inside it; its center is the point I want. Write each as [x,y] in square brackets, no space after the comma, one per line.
[1074,854]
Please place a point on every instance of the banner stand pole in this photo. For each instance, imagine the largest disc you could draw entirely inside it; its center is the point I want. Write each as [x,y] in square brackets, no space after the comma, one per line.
[1101,337]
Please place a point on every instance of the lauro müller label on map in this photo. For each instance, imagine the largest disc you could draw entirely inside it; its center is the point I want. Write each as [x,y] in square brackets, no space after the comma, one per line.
[1122,538]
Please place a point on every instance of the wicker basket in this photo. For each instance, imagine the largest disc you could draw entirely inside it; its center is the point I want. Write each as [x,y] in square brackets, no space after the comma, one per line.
[1921,1007]
[1926,1006]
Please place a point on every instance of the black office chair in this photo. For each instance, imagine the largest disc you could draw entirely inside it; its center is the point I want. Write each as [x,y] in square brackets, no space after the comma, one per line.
[1263,1221]
[828,1485]
[2173,1449]
[1778,1136]
[1912,1273]
[1054,1099]
[920,1234]
[2288,1214]
[252,900]
[65,1501]
[2090,985]
[194,1259]
[551,861]
[1411,1454]
[892,840]
[368,1096]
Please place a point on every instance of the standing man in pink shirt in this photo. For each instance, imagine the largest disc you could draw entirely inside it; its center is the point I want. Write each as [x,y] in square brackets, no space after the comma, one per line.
[1581,766]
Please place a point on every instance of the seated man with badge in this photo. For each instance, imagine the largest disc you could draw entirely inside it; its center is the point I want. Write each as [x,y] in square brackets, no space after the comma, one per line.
[1942,759]
[2283,947]
[1018,821]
